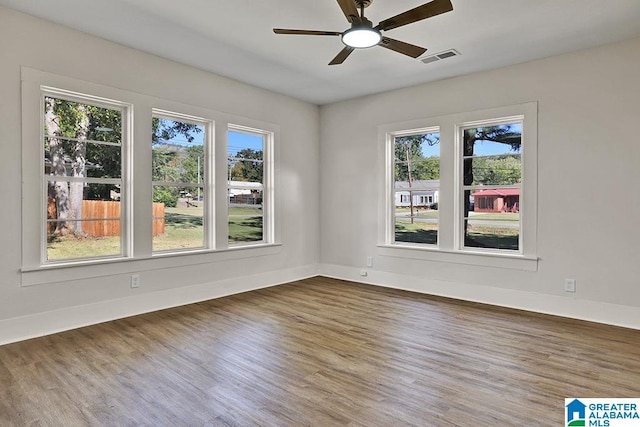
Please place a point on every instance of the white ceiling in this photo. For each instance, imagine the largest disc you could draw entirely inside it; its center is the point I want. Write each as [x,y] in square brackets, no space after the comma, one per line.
[234,38]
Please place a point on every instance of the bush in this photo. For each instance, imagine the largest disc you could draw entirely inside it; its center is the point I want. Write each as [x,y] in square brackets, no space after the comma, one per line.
[168,196]
[434,206]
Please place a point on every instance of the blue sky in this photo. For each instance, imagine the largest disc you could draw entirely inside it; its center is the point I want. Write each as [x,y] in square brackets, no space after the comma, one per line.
[235,140]
[238,140]
[481,148]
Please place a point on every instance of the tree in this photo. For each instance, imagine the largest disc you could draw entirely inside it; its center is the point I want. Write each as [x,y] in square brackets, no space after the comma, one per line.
[503,134]
[71,130]
[408,152]
[172,160]
[58,168]
[411,164]
[247,170]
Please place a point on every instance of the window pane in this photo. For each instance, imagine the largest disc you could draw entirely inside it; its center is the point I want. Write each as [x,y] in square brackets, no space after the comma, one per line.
[499,170]
[82,141]
[72,246]
[89,228]
[104,161]
[69,119]
[177,151]
[492,219]
[245,216]
[417,184]
[178,218]
[493,140]
[178,210]
[245,194]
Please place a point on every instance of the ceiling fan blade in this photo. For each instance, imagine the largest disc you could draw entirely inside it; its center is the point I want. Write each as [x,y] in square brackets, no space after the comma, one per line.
[344,53]
[436,7]
[349,9]
[402,47]
[306,32]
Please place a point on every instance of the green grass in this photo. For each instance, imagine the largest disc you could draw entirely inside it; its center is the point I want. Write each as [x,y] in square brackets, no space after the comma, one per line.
[418,232]
[419,213]
[183,230]
[502,216]
[72,247]
[483,236]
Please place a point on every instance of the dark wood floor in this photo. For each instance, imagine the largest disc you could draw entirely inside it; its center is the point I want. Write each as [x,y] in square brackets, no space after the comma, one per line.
[318,352]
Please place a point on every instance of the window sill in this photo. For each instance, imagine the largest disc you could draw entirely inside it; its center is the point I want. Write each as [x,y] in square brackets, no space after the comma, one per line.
[468,257]
[64,272]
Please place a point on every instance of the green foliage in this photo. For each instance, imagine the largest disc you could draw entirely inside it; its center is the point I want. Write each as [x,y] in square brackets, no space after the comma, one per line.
[409,154]
[176,162]
[166,195]
[247,170]
[496,170]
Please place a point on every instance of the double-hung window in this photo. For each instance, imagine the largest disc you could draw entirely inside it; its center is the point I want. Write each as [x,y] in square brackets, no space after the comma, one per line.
[83,155]
[180,171]
[99,186]
[491,156]
[416,172]
[249,185]
[463,184]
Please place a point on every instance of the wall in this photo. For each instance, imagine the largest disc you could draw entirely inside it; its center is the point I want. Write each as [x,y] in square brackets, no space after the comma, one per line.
[67,302]
[588,200]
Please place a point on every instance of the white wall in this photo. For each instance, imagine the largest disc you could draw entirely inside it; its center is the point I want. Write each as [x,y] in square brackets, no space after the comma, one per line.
[588,175]
[34,310]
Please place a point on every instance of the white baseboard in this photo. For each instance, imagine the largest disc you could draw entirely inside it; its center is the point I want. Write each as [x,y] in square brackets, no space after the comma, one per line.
[574,308]
[40,324]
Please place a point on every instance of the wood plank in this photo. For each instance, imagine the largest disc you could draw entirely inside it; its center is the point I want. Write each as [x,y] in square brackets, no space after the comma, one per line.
[318,352]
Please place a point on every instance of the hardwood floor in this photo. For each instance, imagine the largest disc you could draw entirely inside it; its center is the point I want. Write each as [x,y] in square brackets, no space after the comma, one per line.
[318,352]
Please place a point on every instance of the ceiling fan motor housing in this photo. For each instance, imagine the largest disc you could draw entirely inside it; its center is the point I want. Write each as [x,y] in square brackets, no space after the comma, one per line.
[363,3]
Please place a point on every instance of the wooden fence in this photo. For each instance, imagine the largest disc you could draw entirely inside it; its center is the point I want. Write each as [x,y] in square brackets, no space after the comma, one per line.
[94,210]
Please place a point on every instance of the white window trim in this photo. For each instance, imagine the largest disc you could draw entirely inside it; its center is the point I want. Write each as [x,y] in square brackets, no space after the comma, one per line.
[450,248]
[139,255]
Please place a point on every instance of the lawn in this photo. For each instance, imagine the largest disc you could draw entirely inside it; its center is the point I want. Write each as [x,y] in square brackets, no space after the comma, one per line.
[183,230]
[418,232]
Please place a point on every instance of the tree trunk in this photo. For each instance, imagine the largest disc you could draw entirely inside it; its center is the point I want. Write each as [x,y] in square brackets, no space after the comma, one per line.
[78,169]
[56,152]
[467,177]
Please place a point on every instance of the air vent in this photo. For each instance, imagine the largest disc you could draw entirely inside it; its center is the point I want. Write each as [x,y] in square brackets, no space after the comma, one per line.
[438,56]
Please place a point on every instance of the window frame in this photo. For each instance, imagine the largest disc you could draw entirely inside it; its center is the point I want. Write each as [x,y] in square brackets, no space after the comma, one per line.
[268,206]
[450,246]
[125,108]
[137,254]
[461,187]
[391,222]
[209,229]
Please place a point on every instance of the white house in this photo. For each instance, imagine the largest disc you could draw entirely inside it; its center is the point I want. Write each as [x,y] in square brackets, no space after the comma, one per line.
[423,192]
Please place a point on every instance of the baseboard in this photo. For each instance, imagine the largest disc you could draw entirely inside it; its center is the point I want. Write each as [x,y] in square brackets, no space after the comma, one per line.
[574,308]
[40,324]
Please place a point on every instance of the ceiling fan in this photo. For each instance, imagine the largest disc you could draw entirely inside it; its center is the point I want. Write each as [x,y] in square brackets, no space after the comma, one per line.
[363,34]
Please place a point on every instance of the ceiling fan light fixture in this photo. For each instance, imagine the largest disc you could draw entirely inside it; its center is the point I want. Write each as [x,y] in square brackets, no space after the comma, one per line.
[361,37]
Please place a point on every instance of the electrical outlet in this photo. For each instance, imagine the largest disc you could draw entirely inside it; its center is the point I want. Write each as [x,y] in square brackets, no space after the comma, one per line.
[569,285]
[369,261]
[135,280]
[363,273]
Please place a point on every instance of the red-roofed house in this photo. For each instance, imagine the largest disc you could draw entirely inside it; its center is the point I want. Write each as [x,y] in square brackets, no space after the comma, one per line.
[497,200]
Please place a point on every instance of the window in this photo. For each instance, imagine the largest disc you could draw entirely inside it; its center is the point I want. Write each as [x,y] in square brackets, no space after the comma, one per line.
[416,184]
[82,154]
[491,177]
[248,174]
[463,185]
[179,176]
[92,195]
